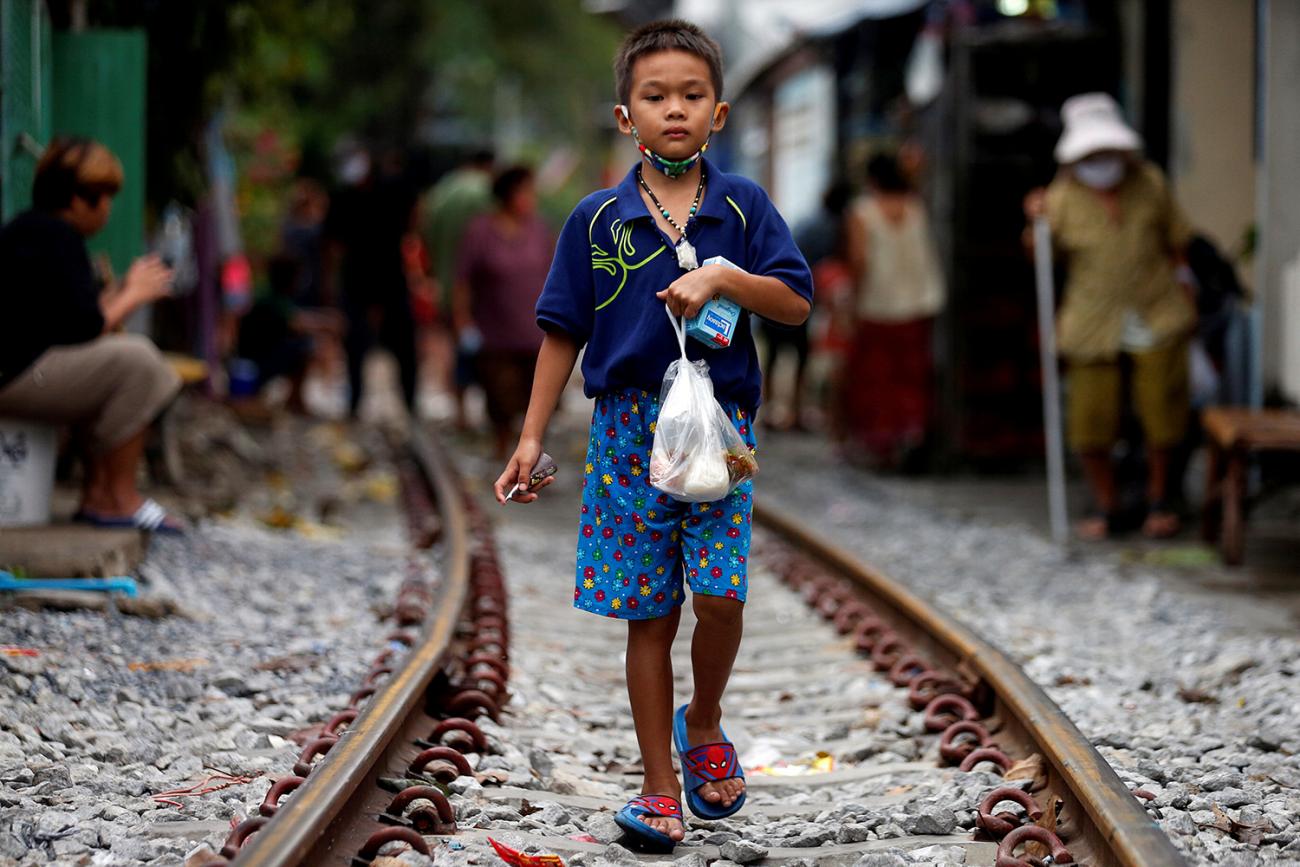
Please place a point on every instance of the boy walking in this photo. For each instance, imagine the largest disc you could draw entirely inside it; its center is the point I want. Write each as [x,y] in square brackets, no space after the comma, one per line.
[623,254]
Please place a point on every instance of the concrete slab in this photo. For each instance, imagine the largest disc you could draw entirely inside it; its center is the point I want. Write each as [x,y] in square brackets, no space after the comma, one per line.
[71,551]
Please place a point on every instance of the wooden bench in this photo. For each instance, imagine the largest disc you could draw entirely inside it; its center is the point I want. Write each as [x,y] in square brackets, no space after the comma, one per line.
[1233,435]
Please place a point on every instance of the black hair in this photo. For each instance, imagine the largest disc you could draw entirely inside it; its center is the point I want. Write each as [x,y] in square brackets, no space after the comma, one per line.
[510,180]
[885,175]
[671,35]
[837,197]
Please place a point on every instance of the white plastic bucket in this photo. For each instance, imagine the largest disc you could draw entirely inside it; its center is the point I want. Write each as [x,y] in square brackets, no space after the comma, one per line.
[27,455]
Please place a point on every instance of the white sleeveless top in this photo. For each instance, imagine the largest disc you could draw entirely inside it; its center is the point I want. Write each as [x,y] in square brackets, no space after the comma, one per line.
[903,280]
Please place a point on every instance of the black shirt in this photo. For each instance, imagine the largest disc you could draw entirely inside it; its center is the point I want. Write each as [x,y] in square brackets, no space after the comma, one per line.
[48,293]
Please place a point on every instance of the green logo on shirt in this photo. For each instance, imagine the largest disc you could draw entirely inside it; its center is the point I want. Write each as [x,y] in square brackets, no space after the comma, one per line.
[619,263]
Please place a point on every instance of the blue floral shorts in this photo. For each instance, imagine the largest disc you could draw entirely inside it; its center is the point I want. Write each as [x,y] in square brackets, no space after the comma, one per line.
[636,545]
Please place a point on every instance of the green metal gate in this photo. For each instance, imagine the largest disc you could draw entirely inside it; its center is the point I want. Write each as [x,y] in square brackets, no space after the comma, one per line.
[99,92]
[25,98]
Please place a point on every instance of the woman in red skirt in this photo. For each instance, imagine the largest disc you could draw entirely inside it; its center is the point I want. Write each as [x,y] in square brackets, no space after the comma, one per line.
[888,393]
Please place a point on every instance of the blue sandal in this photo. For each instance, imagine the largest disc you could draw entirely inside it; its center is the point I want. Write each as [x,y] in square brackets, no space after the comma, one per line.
[706,763]
[642,835]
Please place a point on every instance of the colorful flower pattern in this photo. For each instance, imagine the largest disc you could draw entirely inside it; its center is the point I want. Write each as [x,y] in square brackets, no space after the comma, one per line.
[637,544]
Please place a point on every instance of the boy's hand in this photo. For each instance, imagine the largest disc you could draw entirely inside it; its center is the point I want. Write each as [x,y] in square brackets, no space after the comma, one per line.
[518,471]
[688,293]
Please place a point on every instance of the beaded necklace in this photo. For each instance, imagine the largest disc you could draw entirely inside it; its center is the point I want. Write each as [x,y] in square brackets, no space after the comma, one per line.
[686,258]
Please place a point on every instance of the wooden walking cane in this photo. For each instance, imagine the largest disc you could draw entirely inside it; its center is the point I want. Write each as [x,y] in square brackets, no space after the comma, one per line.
[1051,379]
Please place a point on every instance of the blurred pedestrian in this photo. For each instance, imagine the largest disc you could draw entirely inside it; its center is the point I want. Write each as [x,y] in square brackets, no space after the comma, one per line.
[505,256]
[279,336]
[888,383]
[1125,315]
[367,220]
[459,196]
[301,238]
[60,362]
[821,240]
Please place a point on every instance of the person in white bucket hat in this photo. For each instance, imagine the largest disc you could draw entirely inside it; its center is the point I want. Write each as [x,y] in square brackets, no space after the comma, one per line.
[1127,311]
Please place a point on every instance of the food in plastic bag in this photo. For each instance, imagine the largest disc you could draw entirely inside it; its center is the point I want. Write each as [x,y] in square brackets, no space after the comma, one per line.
[697,455]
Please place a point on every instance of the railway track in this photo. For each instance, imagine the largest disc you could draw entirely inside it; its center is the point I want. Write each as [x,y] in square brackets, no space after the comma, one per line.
[872,723]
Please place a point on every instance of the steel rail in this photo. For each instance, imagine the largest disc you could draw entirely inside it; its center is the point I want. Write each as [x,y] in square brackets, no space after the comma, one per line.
[1121,832]
[302,823]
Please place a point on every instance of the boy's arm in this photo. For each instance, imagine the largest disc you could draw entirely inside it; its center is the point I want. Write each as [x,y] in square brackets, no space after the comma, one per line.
[775,283]
[555,363]
[767,296]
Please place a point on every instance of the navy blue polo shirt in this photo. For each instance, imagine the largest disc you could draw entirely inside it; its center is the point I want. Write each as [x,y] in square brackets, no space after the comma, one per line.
[612,258]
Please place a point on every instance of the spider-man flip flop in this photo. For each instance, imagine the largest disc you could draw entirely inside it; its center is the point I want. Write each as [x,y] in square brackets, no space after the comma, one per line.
[706,763]
[645,837]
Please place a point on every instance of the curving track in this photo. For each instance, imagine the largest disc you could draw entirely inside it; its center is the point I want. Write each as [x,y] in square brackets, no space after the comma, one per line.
[868,677]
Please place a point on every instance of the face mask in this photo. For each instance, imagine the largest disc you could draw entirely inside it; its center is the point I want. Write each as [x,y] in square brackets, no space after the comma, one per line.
[1100,173]
[671,168]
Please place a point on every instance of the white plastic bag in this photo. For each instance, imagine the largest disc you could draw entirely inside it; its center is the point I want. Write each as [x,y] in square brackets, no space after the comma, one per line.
[697,455]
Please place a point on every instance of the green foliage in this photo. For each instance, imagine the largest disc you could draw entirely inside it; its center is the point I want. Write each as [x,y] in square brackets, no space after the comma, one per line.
[296,75]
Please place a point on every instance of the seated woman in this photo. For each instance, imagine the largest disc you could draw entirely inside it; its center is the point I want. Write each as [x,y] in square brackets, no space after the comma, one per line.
[60,363]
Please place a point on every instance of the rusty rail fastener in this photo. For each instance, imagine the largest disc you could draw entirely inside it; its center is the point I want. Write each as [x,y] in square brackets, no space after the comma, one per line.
[888,650]
[1024,834]
[987,754]
[399,834]
[467,700]
[279,789]
[869,631]
[944,710]
[907,668]
[339,720]
[313,748]
[490,660]
[930,686]
[972,736]
[440,820]
[452,762]
[467,731]
[849,615]
[242,831]
[1001,824]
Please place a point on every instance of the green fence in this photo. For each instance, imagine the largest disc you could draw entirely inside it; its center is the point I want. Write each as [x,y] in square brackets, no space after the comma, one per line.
[25,98]
[99,91]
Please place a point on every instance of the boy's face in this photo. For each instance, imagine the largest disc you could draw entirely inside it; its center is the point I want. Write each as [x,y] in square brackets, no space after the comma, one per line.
[672,104]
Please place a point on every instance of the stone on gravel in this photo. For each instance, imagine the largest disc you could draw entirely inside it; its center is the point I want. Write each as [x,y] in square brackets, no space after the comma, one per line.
[603,827]
[888,858]
[931,821]
[743,851]
[616,854]
[692,860]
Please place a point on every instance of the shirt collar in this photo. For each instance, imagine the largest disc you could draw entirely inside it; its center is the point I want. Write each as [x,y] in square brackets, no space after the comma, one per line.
[630,206]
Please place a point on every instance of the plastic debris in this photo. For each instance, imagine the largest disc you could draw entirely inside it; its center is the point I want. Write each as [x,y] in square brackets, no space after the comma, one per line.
[168,664]
[119,584]
[821,763]
[15,650]
[516,858]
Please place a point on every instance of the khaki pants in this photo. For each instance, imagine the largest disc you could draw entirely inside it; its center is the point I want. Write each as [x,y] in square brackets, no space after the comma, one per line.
[1159,392]
[112,387]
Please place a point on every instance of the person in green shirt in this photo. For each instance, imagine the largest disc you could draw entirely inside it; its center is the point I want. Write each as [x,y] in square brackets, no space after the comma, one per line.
[460,196]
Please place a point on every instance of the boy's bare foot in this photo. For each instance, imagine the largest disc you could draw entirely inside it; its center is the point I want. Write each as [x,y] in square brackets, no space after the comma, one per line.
[673,827]
[723,792]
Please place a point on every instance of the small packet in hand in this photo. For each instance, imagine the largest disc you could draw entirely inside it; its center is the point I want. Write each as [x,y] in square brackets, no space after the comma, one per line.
[715,324]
